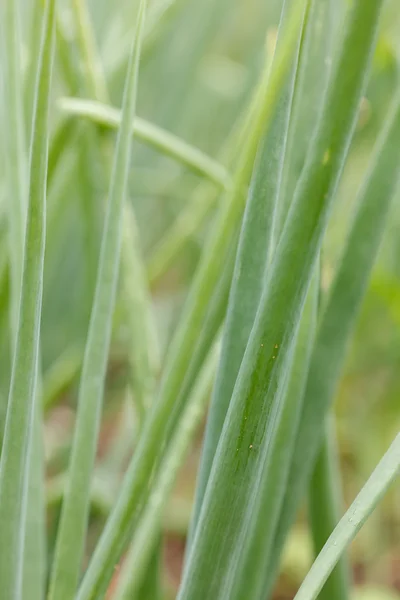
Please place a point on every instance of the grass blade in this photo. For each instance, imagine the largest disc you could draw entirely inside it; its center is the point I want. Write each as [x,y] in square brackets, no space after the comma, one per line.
[275,473]
[324,510]
[148,133]
[144,352]
[34,575]
[16,159]
[311,82]
[15,461]
[367,500]
[118,526]
[70,541]
[253,256]
[234,485]
[338,318]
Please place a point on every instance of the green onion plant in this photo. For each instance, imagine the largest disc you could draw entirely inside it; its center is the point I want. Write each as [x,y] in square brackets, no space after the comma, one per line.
[183,282]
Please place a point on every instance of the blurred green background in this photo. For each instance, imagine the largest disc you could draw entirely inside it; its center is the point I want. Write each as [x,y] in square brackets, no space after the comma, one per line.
[198,69]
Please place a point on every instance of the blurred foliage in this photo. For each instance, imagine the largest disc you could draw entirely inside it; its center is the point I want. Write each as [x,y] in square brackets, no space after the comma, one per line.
[197,72]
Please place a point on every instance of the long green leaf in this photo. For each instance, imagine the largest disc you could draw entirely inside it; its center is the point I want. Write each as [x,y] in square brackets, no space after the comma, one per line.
[312,77]
[315,61]
[117,529]
[367,500]
[233,490]
[253,256]
[34,563]
[338,319]
[150,134]
[15,461]
[70,541]
[144,352]
[17,165]
[325,508]
[250,579]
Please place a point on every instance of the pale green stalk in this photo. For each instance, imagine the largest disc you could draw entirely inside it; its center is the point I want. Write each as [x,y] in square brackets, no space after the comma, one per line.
[73,523]
[367,500]
[15,460]
[34,576]
[316,57]
[16,160]
[157,12]
[34,550]
[144,351]
[156,137]
[252,261]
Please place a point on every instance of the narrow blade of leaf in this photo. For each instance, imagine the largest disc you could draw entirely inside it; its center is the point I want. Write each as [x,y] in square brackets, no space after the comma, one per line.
[150,134]
[254,251]
[365,503]
[15,460]
[17,165]
[264,516]
[72,529]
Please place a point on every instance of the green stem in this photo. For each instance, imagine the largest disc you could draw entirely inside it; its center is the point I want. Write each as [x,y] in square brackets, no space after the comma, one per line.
[148,133]
[15,459]
[367,500]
